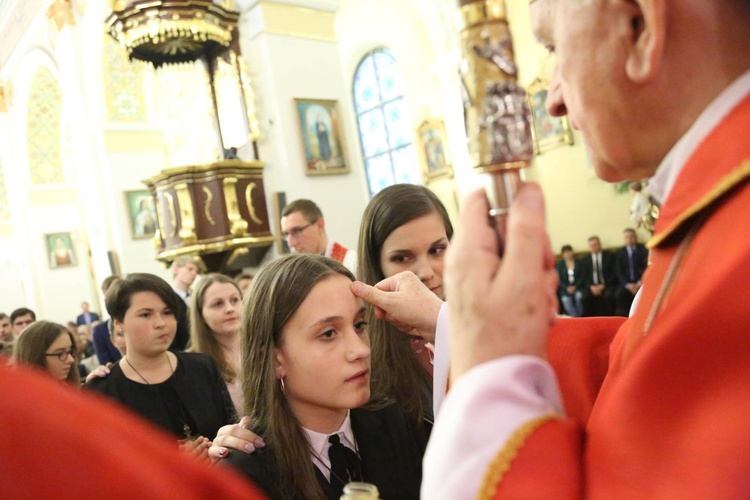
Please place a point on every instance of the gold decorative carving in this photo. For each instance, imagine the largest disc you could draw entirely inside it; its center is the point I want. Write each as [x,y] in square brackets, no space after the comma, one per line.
[172,214]
[238,226]
[200,248]
[187,219]
[207,205]
[249,202]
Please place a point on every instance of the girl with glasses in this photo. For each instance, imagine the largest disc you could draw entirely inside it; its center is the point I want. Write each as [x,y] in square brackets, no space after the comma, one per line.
[305,379]
[51,347]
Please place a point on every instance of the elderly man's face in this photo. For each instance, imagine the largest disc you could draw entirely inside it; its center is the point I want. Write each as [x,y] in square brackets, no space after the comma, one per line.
[591,41]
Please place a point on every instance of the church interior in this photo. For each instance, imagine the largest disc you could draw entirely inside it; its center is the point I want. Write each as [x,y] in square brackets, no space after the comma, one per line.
[330,100]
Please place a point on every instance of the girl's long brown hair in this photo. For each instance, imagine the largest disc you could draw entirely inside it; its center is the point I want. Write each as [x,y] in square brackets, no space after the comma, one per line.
[278,291]
[396,372]
[201,337]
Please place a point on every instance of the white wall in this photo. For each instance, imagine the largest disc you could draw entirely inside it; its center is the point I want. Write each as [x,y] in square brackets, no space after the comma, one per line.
[283,68]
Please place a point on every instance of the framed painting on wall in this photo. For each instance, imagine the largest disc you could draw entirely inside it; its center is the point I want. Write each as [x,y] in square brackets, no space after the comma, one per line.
[549,131]
[433,147]
[60,250]
[141,214]
[322,138]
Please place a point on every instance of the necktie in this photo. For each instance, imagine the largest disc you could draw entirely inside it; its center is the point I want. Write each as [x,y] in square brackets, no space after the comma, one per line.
[630,261]
[345,465]
[601,271]
[596,269]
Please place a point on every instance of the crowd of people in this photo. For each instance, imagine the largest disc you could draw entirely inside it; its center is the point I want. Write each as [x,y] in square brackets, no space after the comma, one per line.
[601,283]
[331,391]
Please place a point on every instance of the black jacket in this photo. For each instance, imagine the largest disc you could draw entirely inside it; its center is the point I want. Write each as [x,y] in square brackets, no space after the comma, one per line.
[388,449]
[198,383]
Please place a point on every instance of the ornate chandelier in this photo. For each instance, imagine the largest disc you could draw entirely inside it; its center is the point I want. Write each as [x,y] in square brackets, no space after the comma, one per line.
[172,31]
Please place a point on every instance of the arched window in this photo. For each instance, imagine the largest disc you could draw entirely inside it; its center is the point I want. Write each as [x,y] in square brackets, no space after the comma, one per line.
[43,129]
[384,125]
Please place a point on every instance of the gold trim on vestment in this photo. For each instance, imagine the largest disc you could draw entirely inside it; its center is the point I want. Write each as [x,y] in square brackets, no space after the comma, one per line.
[725,184]
[501,463]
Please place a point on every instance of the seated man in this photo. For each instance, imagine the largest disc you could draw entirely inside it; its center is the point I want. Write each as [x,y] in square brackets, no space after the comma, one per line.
[304,229]
[632,260]
[599,281]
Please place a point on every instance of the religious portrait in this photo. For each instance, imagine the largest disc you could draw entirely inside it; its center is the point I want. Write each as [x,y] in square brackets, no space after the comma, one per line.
[549,131]
[141,214]
[60,250]
[322,138]
[433,149]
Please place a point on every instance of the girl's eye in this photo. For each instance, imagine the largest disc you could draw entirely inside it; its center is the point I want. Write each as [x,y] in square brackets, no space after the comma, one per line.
[360,327]
[144,315]
[437,250]
[398,259]
[327,335]
[235,300]
[168,312]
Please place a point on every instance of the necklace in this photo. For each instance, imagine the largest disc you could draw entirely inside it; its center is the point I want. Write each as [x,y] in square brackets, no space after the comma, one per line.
[185,427]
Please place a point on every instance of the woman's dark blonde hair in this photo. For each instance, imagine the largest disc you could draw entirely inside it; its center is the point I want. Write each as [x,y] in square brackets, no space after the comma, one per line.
[278,291]
[201,337]
[396,371]
[33,343]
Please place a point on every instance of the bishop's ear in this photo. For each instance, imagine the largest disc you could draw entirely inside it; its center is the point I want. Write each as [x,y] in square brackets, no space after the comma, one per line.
[648,29]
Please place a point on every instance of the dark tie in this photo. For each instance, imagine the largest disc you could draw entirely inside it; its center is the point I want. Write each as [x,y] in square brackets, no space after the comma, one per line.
[632,269]
[345,465]
[596,270]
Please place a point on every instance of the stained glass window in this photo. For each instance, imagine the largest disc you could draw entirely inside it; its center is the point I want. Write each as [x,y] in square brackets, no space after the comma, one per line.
[384,124]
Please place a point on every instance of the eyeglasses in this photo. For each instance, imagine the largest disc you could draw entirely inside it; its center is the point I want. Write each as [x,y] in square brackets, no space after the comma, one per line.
[296,231]
[63,355]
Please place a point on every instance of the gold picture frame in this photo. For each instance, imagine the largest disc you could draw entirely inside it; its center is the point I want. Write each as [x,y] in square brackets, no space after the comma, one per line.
[61,250]
[549,132]
[141,214]
[322,137]
[433,150]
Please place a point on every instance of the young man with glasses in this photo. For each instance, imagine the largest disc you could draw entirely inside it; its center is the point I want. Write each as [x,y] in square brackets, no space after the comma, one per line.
[303,228]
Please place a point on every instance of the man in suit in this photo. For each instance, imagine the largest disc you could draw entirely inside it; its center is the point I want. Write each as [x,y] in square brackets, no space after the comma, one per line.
[632,260]
[87,316]
[600,281]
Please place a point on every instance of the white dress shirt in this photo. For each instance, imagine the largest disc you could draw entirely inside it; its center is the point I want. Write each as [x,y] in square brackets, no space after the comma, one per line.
[320,445]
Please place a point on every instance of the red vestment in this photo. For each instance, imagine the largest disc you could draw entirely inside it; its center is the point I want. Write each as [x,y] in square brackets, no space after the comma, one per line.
[670,418]
[60,442]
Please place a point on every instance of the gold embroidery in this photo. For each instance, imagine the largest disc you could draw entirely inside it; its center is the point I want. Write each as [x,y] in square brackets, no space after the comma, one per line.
[724,185]
[501,463]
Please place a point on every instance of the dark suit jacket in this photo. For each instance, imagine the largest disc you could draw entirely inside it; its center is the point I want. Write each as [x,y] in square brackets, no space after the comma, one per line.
[81,320]
[640,261]
[389,450]
[562,273]
[105,350]
[608,268]
[199,385]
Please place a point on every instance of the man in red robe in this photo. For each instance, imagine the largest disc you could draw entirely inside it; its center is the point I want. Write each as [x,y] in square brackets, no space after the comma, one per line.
[654,406]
